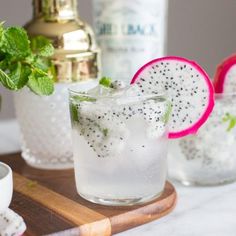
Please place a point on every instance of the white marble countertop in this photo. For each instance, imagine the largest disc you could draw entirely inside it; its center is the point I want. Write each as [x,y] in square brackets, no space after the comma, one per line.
[200,211]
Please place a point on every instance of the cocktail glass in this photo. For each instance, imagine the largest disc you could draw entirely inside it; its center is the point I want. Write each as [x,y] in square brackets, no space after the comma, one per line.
[208,158]
[120,147]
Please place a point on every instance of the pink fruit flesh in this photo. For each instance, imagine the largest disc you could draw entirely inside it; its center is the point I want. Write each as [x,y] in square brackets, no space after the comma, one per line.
[188,88]
[221,77]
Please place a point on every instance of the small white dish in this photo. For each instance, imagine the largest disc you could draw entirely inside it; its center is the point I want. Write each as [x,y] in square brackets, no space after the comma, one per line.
[11,224]
[6,186]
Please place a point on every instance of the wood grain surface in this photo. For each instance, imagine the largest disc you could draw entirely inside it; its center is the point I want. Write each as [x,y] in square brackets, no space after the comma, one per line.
[49,203]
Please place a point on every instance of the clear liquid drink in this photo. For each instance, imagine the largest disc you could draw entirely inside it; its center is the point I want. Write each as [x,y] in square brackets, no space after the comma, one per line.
[120,147]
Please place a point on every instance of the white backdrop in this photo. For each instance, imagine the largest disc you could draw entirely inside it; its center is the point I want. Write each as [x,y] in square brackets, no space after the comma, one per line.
[203,30]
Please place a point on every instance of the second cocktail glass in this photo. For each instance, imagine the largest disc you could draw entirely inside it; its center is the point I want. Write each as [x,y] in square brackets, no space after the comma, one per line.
[208,158]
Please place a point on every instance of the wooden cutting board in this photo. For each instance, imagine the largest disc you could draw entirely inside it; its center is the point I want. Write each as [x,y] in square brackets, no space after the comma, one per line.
[49,204]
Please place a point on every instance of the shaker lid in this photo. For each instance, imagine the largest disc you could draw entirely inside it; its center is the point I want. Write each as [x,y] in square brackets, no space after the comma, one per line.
[55,10]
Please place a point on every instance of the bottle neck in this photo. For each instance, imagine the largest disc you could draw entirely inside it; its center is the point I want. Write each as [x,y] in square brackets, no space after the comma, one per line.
[55,10]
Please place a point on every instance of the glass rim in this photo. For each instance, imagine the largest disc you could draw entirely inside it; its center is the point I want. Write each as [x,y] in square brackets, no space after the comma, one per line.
[161,95]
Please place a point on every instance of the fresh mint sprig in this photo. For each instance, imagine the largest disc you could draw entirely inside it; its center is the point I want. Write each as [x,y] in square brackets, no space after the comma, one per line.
[25,62]
[231,119]
[106,82]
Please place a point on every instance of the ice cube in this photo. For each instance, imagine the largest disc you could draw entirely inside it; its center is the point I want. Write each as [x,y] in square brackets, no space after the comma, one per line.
[118,84]
[140,149]
[155,131]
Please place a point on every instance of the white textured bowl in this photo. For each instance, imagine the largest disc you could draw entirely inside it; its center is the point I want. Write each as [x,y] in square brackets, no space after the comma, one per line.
[6,186]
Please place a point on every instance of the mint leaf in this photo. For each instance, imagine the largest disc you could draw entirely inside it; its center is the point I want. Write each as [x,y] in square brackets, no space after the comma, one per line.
[15,72]
[106,82]
[74,113]
[24,77]
[43,64]
[231,119]
[42,46]
[20,74]
[22,63]
[232,124]
[40,72]
[73,108]
[41,85]
[1,28]
[3,64]
[6,81]
[15,42]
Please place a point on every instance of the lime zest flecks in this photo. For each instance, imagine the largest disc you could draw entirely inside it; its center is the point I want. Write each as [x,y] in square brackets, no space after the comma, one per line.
[106,82]
[231,119]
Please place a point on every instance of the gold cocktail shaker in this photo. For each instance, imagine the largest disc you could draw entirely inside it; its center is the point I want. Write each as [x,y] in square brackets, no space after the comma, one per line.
[77,57]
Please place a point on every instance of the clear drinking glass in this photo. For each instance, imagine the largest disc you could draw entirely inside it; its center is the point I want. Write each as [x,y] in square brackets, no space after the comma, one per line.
[209,157]
[45,128]
[120,147]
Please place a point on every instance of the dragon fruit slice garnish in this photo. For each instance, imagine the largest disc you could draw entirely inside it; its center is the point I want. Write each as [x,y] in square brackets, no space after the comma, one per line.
[225,78]
[188,87]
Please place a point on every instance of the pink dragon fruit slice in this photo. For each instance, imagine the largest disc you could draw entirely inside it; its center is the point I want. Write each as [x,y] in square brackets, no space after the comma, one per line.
[188,87]
[225,78]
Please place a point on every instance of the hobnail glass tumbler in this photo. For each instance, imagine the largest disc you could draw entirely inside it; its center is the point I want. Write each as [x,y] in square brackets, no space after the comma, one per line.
[45,128]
